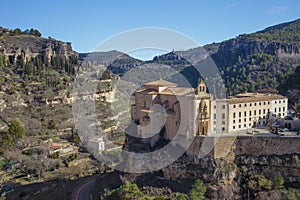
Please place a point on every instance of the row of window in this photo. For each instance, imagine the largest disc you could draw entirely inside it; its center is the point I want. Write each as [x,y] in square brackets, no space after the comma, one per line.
[263,111]
[223,107]
[257,103]
[264,117]
[250,125]
[223,122]
[223,116]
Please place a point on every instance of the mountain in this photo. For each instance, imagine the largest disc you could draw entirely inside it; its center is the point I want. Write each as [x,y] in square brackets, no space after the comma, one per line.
[249,62]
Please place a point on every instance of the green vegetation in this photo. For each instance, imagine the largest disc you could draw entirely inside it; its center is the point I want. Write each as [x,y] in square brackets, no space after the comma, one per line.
[16,130]
[258,183]
[285,32]
[296,108]
[127,191]
[279,183]
[291,194]
[198,191]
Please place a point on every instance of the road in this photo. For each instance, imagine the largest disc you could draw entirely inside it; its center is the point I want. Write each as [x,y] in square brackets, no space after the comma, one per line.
[82,192]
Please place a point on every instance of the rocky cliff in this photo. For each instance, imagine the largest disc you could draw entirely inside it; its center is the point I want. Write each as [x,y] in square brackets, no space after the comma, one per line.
[235,168]
[20,49]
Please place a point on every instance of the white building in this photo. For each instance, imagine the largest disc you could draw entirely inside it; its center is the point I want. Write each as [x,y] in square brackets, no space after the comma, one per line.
[96,145]
[255,109]
[219,116]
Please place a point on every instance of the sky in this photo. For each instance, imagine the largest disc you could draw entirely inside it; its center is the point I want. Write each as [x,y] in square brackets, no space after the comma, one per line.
[88,23]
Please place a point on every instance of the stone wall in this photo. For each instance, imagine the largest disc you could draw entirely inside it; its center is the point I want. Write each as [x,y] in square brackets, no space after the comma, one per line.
[230,147]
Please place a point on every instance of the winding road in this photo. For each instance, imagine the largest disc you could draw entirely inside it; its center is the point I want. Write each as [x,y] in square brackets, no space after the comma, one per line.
[83,191]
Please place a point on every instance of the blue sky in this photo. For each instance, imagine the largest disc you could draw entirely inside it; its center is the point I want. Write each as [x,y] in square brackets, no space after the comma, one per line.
[87,23]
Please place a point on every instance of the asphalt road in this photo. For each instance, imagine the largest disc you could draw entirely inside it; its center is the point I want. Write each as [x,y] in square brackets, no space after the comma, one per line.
[83,191]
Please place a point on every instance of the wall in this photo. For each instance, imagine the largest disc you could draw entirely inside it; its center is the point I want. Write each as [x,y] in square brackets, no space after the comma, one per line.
[230,147]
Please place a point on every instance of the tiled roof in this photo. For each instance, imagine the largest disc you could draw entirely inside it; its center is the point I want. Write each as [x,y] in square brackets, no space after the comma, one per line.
[161,83]
[254,97]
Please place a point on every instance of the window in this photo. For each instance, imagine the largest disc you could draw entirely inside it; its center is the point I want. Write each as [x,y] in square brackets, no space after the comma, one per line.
[223,107]
[233,127]
[279,109]
[233,106]
[215,107]
[255,103]
[254,112]
[239,126]
[215,122]
[264,111]
[275,110]
[245,105]
[259,111]
[245,114]
[283,101]
[260,103]
[223,122]
[215,116]
[249,124]
[275,102]
[268,102]
[233,115]
[223,128]
[240,120]
[279,101]
[240,105]
[264,103]
[144,104]
[250,113]
[223,116]
[250,119]
[250,104]
[283,109]
[245,119]
[240,114]
[234,121]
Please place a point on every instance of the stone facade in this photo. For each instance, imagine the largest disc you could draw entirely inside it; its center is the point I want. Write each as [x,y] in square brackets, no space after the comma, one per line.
[183,110]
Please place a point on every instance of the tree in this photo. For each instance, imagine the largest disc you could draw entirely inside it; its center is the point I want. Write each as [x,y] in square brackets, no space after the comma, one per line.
[16,130]
[127,191]
[279,183]
[181,197]
[17,31]
[198,191]
[291,194]
[296,108]
[6,142]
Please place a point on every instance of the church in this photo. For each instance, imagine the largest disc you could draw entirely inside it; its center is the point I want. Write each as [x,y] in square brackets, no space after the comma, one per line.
[182,110]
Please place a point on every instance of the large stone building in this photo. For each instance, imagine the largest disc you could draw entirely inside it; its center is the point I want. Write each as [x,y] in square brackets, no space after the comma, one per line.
[255,109]
[183,110]
[189,110]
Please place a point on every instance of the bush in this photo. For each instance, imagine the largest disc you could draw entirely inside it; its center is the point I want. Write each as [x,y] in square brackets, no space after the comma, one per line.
[198,191]
[291,194]
[127,191]
[279,183]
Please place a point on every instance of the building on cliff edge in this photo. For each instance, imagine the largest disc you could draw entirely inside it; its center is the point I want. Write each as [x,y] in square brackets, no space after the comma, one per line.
[194,110]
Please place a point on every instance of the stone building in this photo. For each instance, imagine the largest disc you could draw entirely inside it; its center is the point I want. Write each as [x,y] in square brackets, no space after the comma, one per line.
[255,109]
[162,107]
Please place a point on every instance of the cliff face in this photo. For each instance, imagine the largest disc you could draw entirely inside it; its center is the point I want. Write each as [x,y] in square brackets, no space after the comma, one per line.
[231,167]
[243,47]
[17,47]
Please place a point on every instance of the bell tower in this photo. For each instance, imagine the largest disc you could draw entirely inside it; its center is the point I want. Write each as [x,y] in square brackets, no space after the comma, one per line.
[201,89]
